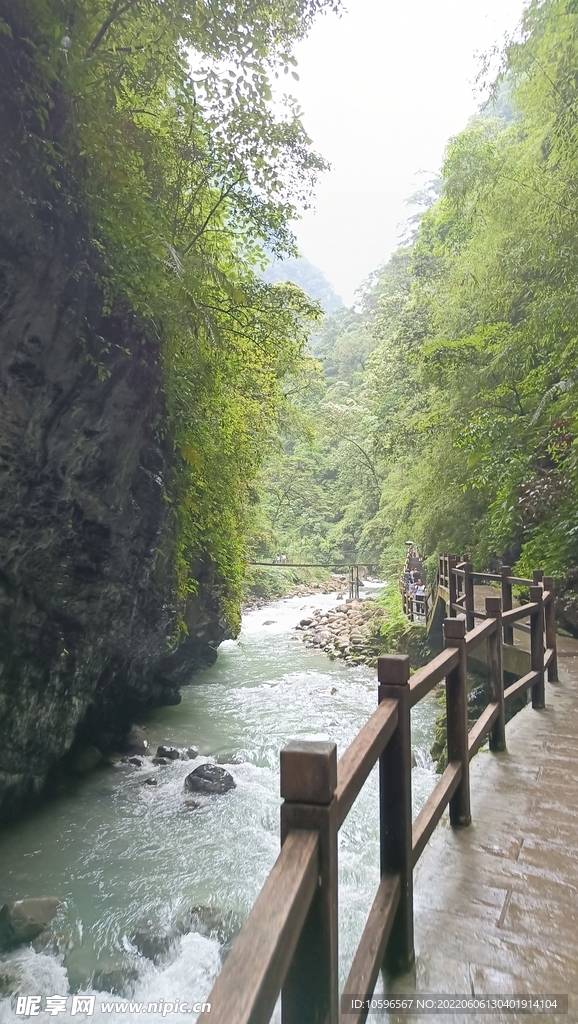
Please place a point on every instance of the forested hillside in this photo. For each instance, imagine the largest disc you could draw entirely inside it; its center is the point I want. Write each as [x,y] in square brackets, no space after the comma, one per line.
[445,412]
[308,277]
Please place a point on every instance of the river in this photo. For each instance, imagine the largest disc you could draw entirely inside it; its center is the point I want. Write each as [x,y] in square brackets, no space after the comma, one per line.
[124,855]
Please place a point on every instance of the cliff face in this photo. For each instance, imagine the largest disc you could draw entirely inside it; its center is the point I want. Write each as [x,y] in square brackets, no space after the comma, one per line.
[86,586]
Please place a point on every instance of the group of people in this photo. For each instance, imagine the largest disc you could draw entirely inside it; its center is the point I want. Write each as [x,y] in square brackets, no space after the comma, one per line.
[415,589]
[414,584]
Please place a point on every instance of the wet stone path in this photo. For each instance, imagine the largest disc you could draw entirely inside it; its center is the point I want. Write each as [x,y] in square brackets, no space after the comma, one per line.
[496,904]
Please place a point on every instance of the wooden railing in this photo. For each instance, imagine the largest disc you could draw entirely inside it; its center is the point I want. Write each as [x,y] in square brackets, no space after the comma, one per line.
[288,944]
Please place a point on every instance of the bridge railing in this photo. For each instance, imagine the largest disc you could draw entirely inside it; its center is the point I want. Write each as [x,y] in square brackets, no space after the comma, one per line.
[288,945]
[460,579]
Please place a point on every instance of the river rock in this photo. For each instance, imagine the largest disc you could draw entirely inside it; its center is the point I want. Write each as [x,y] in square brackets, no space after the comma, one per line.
[150,943]
[192,752]
[137,761]
[270,622]
[161,760]
[135,741]
[115,980]
[214,923]
[10,979]
[23,920]
[306,622]
[173,753]
[209,778]
[150,781]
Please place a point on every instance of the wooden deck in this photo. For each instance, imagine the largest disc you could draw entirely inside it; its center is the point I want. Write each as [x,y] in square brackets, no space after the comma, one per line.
[496,904]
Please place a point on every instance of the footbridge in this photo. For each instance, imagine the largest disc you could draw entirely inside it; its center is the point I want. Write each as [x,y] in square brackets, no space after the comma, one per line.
[483,906]
[353,569]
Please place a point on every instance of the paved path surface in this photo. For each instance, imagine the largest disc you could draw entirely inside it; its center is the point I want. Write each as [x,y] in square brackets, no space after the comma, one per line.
[496,904]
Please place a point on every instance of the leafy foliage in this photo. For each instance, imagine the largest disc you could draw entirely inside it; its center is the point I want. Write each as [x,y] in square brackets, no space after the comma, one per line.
[151,122]
[449,410]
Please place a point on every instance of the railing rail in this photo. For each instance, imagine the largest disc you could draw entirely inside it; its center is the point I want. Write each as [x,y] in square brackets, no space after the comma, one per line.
[288,944]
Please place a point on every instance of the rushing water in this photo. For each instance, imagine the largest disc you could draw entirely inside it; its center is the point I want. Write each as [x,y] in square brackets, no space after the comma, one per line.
[123,854]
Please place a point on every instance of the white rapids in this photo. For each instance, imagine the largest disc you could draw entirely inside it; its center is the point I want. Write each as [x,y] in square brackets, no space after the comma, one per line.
[121,854]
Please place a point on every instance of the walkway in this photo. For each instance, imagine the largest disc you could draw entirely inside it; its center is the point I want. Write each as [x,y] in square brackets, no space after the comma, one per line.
[496,904]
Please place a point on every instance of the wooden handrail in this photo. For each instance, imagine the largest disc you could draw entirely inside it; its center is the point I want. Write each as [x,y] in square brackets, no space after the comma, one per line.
[520,686]
[248,986]
[361,755]
[433,809]
[480,730]
[476,636]
[431,674]
[368,960]
[522,612]
[549,656]
[289,941]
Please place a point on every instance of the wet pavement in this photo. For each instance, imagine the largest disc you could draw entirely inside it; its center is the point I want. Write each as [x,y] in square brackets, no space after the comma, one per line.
[496,904]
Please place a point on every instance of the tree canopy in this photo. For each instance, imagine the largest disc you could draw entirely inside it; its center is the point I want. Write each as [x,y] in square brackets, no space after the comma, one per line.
[448,409]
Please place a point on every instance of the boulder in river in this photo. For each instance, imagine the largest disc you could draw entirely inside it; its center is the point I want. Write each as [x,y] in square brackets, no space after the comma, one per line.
[151,943]
[173,753]
[10,979]
[213,922]
[161,760]
[23,920]
[135,741]
[209,778]
[192,752]
[116,980]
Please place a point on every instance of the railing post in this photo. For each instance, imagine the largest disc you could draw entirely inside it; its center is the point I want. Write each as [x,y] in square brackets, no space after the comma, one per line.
[496,674]
[469,592]
[308,783]
[537,646]
[457,720]
[537,576]
[395,809]
[507,602]
[452,585]
[550,613]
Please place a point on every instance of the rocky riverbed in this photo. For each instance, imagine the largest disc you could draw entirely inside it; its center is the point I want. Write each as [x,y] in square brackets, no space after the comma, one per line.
[336,583]
[350,631]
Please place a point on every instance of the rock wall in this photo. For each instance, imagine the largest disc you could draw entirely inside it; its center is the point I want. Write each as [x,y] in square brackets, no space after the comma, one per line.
[87,608]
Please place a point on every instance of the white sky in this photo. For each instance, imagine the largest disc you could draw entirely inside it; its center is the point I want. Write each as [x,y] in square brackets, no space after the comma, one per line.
[383,88]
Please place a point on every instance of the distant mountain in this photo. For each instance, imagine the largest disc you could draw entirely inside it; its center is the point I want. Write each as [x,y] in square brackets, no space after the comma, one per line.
[300,271]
